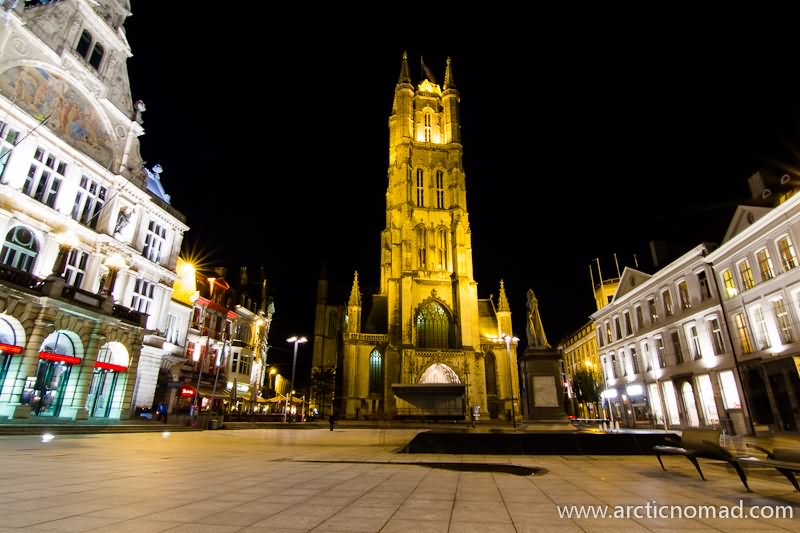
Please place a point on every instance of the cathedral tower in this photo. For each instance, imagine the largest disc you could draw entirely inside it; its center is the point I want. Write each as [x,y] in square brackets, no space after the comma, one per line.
[423,344]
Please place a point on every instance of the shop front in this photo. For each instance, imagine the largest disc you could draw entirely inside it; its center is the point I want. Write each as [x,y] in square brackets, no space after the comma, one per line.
[46,391]
[104,391]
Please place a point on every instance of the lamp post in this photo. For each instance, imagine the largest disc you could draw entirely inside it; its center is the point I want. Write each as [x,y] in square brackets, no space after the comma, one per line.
[508,340]
[296,340]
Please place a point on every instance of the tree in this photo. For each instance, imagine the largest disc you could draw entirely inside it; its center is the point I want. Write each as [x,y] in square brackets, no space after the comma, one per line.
[323,382]
[586,389]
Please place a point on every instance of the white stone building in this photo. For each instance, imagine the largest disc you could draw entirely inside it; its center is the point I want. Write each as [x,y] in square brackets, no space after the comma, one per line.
[665,351]
[76,204]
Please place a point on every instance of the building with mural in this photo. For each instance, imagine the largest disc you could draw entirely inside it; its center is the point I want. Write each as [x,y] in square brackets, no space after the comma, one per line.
[90,240]
[423,345]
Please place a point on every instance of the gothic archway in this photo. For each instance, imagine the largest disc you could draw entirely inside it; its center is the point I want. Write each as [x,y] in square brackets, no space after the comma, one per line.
[439,373]
[434,326]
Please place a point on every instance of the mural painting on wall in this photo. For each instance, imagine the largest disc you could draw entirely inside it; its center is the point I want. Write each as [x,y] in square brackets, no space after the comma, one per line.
[69,114]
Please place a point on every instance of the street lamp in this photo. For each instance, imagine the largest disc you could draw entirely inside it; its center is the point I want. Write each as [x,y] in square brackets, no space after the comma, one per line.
[296,340]
[508,340]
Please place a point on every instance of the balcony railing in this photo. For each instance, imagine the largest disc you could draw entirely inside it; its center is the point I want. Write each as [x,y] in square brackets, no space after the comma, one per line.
[23,279]
[129,315]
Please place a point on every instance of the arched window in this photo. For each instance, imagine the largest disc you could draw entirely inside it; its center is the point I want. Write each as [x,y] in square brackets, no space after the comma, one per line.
[421,247]
[375,372]
[20,249]
[441,248]
[420,188]
[97,56]
[427,126]
[60,342]
[439,189]
[84,44]
[433,326]
[491,375]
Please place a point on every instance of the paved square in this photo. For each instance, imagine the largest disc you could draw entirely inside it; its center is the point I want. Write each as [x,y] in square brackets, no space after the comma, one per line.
[346,481]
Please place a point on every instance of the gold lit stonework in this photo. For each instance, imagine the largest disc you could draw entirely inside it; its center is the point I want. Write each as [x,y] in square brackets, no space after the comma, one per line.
[430,88]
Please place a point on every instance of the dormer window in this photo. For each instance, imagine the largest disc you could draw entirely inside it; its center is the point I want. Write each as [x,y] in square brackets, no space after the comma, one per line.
[90,50]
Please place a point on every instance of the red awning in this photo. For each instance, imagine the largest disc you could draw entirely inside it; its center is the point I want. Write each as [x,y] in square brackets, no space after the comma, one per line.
[10,348]
[109,366]
[60,357]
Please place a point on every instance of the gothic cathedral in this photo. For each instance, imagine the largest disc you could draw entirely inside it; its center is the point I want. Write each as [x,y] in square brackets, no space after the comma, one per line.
[424,346]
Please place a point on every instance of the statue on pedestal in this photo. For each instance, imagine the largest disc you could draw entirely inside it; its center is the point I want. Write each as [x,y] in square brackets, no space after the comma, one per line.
[535,329]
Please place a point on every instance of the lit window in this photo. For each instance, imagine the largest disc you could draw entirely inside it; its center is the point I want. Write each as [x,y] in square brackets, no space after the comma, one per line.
[683,293]
[142,295]
[20,249]
[765,264]
[235,362]
[744,333]
[747,275]
[782,315]
[89,201]
[154,241]
[689,404]
[707,400]
[44,177]
[672,403]
[785,248]
[439,189]
[76,267]
[420,188]
[623,362]
[433,326]
[730,392]
[729,284]
[608,333]
[655,403]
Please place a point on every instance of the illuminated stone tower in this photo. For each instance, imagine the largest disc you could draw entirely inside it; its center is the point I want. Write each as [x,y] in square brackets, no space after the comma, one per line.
[426,344]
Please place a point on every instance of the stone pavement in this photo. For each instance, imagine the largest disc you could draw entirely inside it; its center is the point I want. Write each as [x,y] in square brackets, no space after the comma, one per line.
[348,480]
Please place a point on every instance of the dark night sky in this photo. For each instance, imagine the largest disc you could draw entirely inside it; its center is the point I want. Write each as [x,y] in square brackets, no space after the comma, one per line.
[583,137]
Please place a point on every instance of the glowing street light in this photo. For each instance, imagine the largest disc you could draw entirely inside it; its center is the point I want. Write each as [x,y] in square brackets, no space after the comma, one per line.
[296,340]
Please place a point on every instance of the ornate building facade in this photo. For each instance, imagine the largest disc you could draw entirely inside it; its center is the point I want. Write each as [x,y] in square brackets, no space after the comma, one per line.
[425,345]
[90,240]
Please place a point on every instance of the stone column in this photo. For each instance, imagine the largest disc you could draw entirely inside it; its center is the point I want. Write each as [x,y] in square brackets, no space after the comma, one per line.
[96,340]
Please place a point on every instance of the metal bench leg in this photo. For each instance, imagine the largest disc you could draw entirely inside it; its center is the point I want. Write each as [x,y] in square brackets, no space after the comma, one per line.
[790,476]
[661,462]
[696,465]
[742,475]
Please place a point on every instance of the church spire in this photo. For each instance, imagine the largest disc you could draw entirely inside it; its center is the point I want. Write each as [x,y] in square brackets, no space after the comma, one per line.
[449,80]
[502,301]
[405,77]
[355,292]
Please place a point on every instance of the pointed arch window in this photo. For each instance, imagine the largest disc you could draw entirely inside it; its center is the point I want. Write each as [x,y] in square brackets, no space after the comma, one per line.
[426,129]
[439,189]
[20,249]
[375,372]
[433,326]
[420,188]
[421,247]
[491,375]
[441,248]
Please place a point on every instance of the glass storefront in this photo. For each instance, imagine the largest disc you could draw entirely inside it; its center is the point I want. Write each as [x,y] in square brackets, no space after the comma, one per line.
[101,392]
[689,404]
[48,390]
[655,403]
[671,400]
[707,402]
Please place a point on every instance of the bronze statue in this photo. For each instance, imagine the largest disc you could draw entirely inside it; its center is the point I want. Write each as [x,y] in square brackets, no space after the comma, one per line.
[535,329]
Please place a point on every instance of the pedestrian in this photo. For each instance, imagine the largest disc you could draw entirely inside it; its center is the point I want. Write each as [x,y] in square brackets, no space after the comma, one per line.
[332,420]
[162,412]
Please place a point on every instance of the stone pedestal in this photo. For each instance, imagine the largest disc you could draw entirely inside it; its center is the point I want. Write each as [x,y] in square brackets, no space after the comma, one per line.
[543,396]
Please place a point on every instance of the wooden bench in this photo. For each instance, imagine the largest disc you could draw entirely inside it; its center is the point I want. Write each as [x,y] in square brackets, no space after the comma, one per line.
[701,443]
[784,460]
